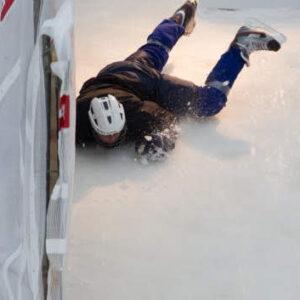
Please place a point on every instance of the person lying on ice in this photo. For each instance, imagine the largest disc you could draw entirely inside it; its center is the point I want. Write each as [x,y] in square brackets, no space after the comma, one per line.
[133,99]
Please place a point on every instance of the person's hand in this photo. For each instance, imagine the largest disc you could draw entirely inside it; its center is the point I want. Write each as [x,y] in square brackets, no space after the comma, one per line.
[154,147]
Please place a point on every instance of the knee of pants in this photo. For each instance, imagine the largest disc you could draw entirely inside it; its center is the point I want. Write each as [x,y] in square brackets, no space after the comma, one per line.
[167,33]
[210,101]
[156,56]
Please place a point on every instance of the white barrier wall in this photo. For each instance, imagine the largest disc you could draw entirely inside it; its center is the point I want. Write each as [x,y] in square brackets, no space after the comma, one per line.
[60,29]
[23,147]
[19,232]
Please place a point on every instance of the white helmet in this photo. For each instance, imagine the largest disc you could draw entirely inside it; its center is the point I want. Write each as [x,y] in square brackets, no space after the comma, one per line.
[107,115]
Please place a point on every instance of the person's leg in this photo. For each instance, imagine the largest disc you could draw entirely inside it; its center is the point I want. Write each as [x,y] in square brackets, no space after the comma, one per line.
[213,96]
[226,70]
[183,97]
[155,52]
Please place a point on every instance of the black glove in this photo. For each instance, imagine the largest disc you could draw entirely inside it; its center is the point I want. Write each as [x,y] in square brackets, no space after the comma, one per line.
[155,147]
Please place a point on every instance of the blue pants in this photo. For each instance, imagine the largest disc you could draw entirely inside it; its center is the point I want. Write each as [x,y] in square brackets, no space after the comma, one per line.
[209,99]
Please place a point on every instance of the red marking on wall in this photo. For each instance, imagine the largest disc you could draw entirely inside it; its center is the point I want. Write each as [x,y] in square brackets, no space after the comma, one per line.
[5,8]
[64,112]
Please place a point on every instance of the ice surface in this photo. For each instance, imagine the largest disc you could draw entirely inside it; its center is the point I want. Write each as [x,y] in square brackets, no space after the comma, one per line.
[220,218]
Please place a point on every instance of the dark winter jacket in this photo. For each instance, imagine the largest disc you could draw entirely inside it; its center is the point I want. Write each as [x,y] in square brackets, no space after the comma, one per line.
[144,92]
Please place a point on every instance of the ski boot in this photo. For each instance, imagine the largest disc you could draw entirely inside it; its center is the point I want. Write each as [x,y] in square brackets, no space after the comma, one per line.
[185,16]
[253,38]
